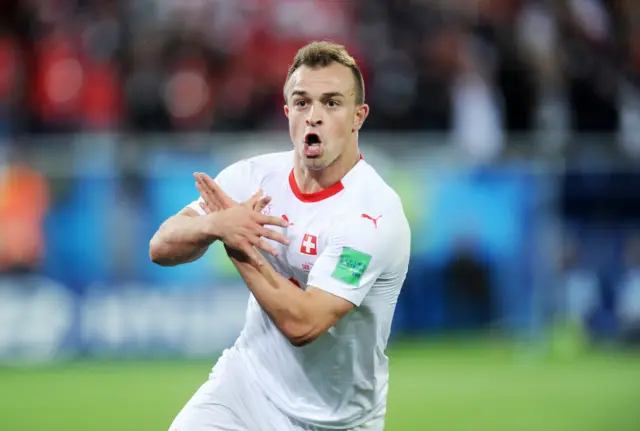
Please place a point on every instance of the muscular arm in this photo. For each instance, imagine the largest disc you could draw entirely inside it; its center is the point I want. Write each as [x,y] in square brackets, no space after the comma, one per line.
[356,255]
[301,315]
[181,239]
[186,236]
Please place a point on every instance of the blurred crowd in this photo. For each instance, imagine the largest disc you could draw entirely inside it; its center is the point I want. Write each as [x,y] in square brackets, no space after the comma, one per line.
[485,72]
[472,67]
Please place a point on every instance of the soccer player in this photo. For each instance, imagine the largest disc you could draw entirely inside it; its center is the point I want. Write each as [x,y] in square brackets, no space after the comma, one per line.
[325,281]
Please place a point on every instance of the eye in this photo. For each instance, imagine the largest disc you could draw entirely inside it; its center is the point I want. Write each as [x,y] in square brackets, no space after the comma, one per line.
[301,103]
[332,104]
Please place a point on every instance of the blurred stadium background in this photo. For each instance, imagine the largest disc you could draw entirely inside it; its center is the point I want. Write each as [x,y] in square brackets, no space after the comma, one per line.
[511,128]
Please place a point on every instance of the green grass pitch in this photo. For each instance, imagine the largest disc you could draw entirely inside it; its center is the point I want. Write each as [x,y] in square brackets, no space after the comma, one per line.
[434,386]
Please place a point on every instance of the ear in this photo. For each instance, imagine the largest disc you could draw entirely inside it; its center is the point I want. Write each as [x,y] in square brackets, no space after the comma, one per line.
[362,111]
[286,110]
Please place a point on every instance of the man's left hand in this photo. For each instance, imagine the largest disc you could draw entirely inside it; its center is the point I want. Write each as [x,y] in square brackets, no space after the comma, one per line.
[215,199]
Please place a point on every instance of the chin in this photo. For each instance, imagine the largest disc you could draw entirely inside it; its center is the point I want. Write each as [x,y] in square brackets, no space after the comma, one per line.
[315,164]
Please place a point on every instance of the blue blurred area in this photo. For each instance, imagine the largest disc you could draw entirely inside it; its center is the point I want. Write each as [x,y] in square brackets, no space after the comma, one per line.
[491,208]
[494,211]
[169,187]
[512,247]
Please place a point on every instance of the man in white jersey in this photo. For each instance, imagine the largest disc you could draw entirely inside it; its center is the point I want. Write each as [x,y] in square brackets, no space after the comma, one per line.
[324,289]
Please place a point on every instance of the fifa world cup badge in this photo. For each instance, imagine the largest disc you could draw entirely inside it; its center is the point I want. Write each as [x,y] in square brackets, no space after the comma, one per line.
[351,266]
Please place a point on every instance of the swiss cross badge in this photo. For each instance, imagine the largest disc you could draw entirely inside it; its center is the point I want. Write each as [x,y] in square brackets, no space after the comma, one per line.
[309,245]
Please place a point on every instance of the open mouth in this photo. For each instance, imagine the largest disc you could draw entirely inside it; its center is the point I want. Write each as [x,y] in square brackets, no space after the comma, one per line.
[312,145]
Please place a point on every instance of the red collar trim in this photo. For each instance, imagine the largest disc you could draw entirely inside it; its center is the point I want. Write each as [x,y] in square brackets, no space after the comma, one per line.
[317,196]
[313,197]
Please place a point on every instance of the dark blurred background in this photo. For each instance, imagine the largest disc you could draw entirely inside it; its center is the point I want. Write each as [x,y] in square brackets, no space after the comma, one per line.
[510,128]
[487,66]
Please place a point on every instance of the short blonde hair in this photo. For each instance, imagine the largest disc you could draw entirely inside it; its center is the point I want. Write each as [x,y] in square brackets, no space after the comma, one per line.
[323,54]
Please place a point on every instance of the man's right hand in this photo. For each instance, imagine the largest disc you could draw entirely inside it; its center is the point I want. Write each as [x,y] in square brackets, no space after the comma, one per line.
[241,227]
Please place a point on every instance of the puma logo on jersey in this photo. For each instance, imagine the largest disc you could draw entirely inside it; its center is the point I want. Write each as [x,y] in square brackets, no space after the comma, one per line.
[374,220]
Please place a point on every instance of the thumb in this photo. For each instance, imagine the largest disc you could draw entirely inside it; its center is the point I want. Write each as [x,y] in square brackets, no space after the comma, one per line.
[262,203]
[253,200]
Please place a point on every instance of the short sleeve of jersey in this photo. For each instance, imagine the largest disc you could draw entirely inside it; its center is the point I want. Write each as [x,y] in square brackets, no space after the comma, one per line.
[357,254]
[235,180]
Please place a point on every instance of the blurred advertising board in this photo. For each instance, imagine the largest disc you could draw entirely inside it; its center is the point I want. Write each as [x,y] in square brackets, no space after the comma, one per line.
[98,294]
[41,320]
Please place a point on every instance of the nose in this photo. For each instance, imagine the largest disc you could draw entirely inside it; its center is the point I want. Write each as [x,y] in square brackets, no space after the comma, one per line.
[314,117]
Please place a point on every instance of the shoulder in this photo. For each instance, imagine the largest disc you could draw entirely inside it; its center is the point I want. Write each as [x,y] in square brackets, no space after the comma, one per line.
[369,195]
[272,162]
[372,215]
[242,178]
[262,163]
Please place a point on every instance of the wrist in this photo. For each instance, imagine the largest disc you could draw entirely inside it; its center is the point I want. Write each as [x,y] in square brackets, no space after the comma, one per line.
[208,230]
[236,254]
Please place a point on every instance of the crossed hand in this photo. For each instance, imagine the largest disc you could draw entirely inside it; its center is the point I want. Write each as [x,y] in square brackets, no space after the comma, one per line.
[242,225]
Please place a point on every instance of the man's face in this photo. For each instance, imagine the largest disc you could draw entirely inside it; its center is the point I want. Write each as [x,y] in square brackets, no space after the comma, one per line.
[323,115]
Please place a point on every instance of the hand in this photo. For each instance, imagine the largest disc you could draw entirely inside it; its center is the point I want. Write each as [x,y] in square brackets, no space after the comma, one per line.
[209,206]
[240,226]
[215,199]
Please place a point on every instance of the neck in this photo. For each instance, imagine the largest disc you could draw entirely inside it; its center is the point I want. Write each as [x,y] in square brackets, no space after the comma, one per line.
[312,181]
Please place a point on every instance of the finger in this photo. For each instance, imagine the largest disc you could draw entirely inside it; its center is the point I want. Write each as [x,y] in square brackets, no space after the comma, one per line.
[205,208]
[271,220]
[253,254]
[253,200]
[200,180]
[263,245]
[275,236]
[203,194]
[217,191]
[211,203]
[262,203]
[206,192]
[258,194]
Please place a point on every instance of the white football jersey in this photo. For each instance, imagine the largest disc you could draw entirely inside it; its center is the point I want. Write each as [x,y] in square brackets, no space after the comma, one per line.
[351,240]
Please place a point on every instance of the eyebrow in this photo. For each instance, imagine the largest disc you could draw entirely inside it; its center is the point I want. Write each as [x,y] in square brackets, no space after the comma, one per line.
[324,95]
